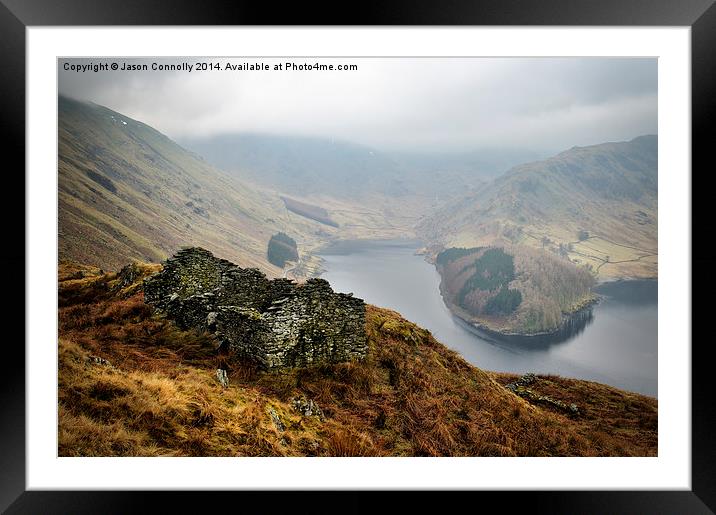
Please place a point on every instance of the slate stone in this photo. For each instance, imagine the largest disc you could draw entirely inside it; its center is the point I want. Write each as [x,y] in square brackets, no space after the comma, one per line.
[276,323]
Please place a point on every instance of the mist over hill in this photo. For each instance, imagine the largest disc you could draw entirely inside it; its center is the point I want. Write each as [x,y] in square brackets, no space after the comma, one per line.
[126,191]
[596,205]
[302,165]
[291,202]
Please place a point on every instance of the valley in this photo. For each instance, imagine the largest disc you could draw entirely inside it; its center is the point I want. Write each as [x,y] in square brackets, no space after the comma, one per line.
[595,206]
[387,257]
[587,215]
[126,192]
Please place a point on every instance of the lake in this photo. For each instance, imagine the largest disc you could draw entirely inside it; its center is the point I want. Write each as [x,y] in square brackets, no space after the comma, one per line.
[617,344]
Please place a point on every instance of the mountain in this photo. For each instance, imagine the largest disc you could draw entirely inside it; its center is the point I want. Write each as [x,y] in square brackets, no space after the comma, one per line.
[296,165]
[127,192]
[596,205]
[134,384]
[485,163]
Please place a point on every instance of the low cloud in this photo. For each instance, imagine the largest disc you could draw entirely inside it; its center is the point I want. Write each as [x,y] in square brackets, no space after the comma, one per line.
[450,104]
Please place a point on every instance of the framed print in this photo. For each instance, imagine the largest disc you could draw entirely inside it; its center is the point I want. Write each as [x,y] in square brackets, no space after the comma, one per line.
[443,249]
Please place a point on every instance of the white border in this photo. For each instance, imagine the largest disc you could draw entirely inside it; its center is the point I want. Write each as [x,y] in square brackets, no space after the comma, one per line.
[671,470]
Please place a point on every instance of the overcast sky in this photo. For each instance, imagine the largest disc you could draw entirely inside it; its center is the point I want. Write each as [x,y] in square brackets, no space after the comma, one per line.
[542,104]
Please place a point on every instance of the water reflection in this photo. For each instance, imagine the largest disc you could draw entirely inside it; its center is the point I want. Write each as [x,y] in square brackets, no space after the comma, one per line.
[614,342]
[573,325]
[641,293]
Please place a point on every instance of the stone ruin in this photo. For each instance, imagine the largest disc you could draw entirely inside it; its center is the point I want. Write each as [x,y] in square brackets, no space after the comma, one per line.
[275,323]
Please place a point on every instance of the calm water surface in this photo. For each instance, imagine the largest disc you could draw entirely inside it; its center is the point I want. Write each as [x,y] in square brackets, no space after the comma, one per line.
[617,346]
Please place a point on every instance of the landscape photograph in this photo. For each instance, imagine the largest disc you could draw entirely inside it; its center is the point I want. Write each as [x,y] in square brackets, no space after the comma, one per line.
[357,257]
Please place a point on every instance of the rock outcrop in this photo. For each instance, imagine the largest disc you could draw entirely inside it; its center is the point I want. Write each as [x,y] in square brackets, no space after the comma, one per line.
[519,387]
[276,323]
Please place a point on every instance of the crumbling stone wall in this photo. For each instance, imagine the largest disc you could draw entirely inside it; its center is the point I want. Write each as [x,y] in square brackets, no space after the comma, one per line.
[276,323]
[188,272]
[316,325]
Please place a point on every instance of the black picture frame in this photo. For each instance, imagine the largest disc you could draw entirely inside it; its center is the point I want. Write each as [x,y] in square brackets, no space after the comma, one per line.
[17,15]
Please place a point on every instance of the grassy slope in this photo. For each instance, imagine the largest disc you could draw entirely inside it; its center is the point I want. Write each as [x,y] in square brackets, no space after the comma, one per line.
[128,192]
[157,395]
[610,190]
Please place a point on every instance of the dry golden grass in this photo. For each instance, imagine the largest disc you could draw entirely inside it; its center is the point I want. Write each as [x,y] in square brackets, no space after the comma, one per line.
[613,419]
[411,396]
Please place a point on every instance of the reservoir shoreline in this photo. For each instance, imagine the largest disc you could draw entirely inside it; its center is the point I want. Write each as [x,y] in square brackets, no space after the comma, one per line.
[566,329]
[569,323]
[612,342]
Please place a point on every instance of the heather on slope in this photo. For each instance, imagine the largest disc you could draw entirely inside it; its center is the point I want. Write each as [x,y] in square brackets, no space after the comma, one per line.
[132,384]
